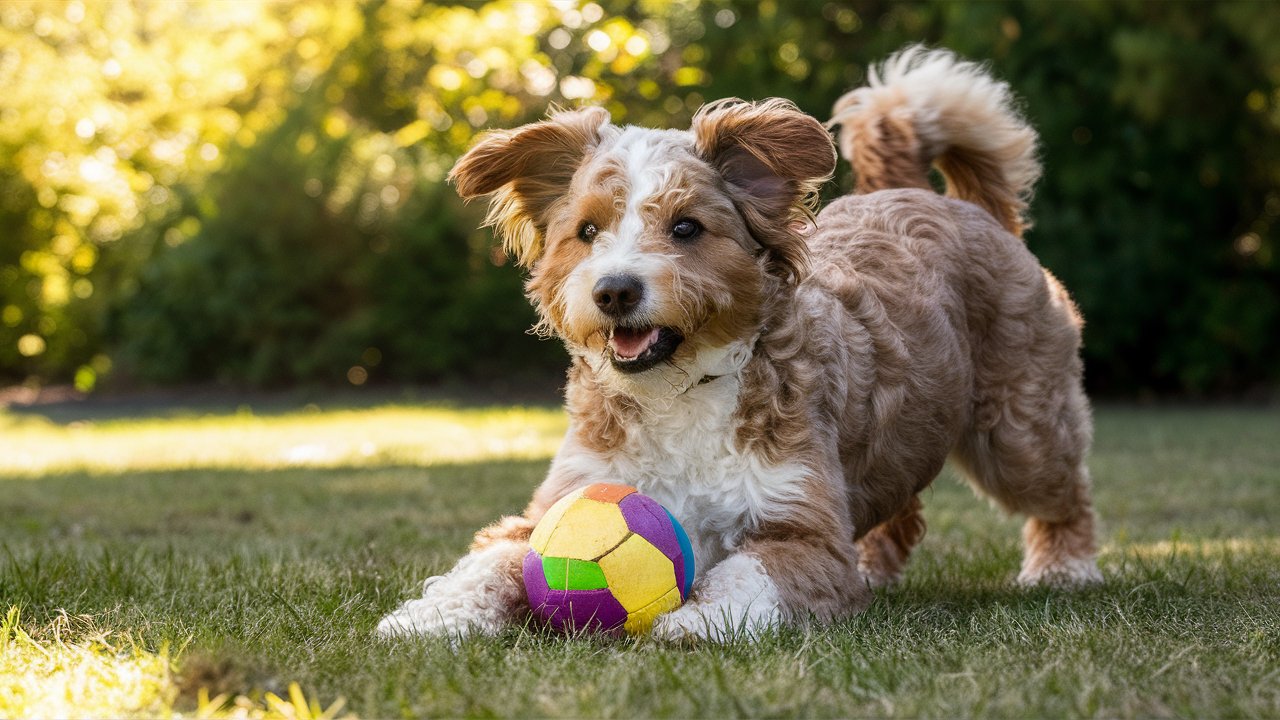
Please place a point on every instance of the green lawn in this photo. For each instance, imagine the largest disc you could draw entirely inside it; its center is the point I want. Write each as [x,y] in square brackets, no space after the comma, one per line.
[259,548]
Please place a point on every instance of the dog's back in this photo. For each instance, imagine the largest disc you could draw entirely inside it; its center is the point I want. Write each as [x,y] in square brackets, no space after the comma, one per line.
[960,343]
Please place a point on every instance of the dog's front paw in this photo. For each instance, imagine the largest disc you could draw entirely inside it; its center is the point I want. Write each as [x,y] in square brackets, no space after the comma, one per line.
[479,596]
[434,615]
[736,599]
[716,622]
[685,624]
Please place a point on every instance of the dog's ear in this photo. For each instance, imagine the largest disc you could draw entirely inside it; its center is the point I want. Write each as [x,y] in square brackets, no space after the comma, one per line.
[774,158]
[526,170]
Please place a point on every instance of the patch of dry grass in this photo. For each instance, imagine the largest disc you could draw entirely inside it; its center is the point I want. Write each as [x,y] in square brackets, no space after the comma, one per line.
[72,669]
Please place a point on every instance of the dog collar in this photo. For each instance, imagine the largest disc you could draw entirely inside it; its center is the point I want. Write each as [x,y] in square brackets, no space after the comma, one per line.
[705,379]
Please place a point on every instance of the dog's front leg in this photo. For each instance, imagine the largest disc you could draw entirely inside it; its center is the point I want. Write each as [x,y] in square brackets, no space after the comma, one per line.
[483,592]
[783,572]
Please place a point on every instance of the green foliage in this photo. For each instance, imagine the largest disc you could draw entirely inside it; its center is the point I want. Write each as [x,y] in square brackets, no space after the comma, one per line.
[111,117]
[1159,208]
[258,197]
[369,272]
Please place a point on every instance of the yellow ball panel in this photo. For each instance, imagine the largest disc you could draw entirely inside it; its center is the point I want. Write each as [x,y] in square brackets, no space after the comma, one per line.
[638,573]
[586,530]
[542,531]
[640,622]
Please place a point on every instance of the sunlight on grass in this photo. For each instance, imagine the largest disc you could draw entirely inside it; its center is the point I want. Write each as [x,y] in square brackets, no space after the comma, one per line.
[1205,550]
[391,435]
[89,678]
[49,676]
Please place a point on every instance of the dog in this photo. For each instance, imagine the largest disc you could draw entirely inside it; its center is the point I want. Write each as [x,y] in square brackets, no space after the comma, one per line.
[787,384]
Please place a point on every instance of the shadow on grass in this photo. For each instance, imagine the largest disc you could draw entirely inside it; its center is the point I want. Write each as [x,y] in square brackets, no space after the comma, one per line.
[65,408]
[210,510]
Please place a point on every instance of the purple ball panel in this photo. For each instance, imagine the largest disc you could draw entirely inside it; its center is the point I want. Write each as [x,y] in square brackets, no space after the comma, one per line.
[535,582]
[646,518]
[578,610]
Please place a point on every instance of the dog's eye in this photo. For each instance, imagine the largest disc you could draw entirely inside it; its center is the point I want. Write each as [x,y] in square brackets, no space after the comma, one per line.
[587,232]
[686,229]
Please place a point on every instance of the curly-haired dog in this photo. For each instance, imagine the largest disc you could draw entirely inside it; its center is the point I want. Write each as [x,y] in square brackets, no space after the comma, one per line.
[787,384]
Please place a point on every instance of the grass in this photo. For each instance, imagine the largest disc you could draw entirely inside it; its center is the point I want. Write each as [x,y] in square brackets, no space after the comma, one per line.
[72,679]
[253,550]
[94,674]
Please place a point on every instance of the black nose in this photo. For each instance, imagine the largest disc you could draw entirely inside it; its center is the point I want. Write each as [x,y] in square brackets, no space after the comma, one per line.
[618,295]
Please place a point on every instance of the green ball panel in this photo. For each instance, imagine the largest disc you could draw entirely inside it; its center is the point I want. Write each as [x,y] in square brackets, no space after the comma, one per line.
[570,574]
[586,575]
[556,571]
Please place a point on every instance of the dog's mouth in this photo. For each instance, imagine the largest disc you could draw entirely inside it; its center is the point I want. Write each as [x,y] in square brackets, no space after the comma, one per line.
[636,349]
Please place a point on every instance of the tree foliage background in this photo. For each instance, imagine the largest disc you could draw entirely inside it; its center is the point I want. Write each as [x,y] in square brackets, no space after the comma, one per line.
[253,192]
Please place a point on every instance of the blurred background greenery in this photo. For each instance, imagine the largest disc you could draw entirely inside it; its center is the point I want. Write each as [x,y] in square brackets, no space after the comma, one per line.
[251,193]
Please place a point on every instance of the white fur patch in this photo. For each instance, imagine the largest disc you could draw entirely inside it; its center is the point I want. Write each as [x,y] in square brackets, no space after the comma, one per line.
[682,452]
[645,155]
[647,173]
[473,597]
[737,598]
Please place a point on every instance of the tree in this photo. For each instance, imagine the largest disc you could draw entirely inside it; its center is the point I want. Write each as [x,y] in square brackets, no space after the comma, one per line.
[257,195]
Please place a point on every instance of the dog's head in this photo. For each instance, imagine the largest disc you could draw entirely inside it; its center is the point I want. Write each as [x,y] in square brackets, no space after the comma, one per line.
[650,251]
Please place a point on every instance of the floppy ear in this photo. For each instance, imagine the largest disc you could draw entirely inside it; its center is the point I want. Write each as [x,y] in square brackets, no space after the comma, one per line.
[526,170]
[774,158]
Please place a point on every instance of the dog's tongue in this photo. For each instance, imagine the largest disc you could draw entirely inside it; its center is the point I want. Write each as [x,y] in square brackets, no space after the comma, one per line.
[629,343]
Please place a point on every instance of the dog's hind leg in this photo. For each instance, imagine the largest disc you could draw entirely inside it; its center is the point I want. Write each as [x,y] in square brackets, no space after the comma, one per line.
[883,551]
[1028,455]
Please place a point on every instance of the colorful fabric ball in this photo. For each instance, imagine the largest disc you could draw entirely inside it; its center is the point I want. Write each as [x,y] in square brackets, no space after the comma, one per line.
[607,558]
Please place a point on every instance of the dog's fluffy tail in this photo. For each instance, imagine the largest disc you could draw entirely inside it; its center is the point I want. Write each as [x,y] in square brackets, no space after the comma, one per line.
[923,107]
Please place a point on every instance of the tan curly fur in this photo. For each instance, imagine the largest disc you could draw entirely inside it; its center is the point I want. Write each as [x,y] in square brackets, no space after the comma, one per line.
[830,365]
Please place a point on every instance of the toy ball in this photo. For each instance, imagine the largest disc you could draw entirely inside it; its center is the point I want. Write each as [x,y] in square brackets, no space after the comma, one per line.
[606,558]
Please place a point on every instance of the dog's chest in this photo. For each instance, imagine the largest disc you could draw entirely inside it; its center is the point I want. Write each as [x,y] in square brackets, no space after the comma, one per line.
[684,456]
